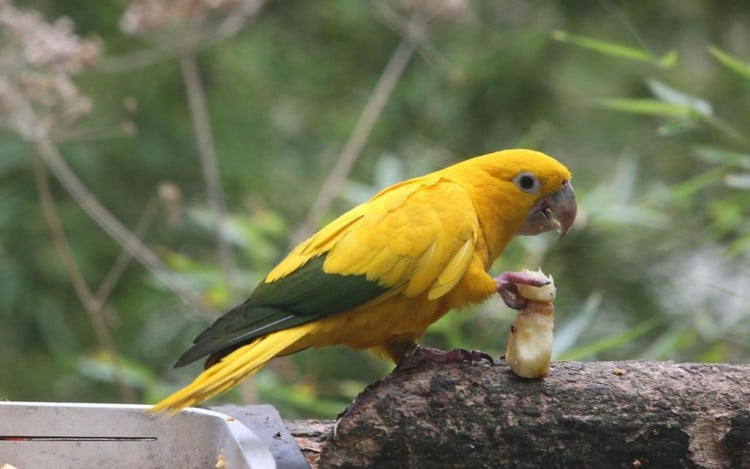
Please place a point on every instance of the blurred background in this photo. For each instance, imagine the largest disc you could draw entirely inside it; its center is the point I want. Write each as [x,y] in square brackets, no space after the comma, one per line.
[158,157]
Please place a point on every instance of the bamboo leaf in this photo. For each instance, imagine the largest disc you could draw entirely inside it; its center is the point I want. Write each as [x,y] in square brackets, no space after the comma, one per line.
[605,47]
[715,155]
[669,343]
[647,106]
[668,60]
[738,181]
[569,334]
[691,186]
[615,49]
[611,342]
[732,63]
[676,127]
[673,96]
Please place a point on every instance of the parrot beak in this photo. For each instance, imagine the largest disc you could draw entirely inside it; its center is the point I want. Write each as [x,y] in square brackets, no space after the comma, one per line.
[556,212]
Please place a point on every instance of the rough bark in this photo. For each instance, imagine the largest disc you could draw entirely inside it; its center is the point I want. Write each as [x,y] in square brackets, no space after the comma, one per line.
[598,414]
[311,437]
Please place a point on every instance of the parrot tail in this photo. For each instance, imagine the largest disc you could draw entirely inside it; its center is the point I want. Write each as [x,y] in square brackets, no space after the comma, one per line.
[234,367]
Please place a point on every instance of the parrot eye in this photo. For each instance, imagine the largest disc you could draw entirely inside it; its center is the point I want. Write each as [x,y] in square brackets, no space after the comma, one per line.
[527,182]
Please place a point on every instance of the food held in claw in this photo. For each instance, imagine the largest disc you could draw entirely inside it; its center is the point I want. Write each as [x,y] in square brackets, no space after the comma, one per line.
[530,340]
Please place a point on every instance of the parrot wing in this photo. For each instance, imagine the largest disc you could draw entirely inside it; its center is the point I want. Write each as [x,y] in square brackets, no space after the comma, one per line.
[415,237]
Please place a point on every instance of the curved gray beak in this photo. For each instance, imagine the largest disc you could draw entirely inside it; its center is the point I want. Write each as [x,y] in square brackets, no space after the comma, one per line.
[556,212]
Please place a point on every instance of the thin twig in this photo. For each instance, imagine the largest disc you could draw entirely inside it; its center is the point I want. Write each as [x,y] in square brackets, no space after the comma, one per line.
[168,48]
[618,13]
[405,27]
[78,135]
[93,208]
[94,308]
[202,127]
[132,61]
[390,76]
[728,130]
[118,268]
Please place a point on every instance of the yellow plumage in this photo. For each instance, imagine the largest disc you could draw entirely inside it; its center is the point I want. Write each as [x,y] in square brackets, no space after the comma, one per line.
[233,368]
[380,274]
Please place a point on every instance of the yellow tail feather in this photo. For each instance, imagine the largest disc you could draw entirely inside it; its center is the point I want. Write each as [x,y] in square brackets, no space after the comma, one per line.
[235,367]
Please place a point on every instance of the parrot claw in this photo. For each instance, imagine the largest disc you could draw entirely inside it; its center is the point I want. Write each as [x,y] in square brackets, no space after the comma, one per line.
[507,287]
[421,354]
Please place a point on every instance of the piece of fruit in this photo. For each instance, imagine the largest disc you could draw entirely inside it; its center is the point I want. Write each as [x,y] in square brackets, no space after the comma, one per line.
[530,340]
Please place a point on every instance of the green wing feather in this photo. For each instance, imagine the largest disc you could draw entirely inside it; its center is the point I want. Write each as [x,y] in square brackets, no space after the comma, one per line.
[413,238]
[305,295]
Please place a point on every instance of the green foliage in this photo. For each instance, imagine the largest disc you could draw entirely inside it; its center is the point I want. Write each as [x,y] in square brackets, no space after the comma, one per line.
[615,49]
[732,63]
[656,266]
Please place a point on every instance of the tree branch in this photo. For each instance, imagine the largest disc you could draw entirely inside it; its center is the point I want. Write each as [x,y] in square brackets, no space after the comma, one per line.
[204,136]
[123,260]
[357,139]
[94,306]
[54,161]
[598,414]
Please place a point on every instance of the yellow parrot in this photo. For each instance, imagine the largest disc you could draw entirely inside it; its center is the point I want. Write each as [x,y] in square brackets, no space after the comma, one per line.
[380,274]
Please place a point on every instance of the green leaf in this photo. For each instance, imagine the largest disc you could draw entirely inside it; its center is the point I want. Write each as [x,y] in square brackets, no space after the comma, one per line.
[668,60]
[302,397]
[732,63]
[615,49]
[720,156]
[99,366]
[646,106]
[611,342]
[669,343]
[738,181]
[676,127]
[673,96]
[572,330]
[740,246]
[691,186]
[717,353]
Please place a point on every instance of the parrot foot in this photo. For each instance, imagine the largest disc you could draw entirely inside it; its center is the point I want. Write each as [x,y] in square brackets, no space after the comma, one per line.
[507,287]
[421,354]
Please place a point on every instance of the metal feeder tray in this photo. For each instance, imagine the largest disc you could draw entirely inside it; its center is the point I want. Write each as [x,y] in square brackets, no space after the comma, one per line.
[70,435]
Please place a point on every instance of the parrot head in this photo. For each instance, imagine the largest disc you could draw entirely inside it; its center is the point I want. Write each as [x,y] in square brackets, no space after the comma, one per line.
[557,211]
[534,184]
